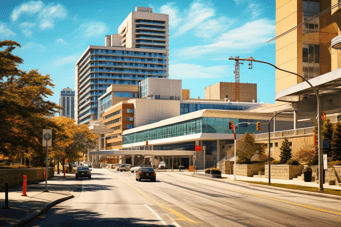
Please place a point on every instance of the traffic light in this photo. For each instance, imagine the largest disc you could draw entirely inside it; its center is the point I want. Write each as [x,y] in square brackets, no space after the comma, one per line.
[323,116]
[231,125]
[258,126]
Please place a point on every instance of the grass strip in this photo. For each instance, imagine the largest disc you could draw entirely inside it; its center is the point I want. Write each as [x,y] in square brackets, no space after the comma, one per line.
[300,187]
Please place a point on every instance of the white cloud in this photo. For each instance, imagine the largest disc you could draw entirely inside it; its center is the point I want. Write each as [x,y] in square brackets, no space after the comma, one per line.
[213,26]
[27,32]
[5,31]
[49,14]
[247,38]
[30,45]
[93,29]
[27,25]
[192,71]
[254,9]
[173,12]
[61,41]
[29,8]
[71,59]
[196,15]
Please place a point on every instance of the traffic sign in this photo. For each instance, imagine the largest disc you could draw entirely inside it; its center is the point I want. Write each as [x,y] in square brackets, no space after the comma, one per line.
[197,148]
[47,137]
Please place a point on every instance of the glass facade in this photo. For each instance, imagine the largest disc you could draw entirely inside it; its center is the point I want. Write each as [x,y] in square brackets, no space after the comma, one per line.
[66,100]
[200,125]
[310,39]
[101,68]
[191,107]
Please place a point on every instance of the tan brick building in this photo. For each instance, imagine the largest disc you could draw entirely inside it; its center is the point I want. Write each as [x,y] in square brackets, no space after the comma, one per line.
[222,90]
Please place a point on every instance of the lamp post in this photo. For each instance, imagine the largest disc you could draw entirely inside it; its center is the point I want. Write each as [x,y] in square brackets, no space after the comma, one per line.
[319,137]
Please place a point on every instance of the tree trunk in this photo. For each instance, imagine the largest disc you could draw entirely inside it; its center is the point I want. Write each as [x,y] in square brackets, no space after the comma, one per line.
[58,166]
[63,165]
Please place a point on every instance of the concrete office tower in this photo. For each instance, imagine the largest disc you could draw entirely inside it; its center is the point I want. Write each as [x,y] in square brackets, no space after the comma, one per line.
[222,90]
[306,50]
[67,101]
[121,61]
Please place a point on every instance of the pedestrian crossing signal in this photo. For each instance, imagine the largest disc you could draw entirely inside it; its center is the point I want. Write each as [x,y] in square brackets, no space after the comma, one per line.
[231,125]
[323,116]
[258,126]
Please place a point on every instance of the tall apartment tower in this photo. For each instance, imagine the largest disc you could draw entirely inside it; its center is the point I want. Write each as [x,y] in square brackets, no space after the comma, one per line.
[306,50]
[67,101]
[139,51]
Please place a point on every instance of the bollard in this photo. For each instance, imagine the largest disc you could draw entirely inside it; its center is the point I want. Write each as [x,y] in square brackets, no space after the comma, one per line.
[24,186]
[64,172]
[6,196]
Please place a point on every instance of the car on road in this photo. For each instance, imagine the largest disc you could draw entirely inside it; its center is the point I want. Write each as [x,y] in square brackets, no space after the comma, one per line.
[83,171]
[162,165]
[124,167]
[135,168]
[146,173]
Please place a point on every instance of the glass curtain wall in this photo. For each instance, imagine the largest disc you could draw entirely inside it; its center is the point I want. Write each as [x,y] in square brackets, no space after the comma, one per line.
[310,39]
[200,125]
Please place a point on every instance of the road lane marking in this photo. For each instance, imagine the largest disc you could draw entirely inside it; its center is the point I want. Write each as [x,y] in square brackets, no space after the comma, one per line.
[157,216]
[287,202]
[156,202]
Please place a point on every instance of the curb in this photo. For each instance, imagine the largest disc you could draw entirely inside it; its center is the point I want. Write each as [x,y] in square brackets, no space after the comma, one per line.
[40,211]
[274,188]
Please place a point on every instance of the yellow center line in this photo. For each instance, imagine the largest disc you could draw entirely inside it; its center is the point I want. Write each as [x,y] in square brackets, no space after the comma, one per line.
[181,216]
[287,202]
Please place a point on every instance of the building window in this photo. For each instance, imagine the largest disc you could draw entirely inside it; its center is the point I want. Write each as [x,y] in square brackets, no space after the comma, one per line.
[129,119]
[129,126]
[276,144]
[130,110]
[125,94]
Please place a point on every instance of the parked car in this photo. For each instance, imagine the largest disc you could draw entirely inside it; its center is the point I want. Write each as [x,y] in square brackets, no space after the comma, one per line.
[135,168]
[162,165]
[83,171]
[124,167]
[146,173]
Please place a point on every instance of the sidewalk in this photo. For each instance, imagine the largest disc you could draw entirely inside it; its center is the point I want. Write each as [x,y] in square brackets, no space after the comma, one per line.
[25,208]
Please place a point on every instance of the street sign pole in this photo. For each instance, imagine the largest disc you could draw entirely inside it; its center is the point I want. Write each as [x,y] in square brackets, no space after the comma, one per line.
[47,141]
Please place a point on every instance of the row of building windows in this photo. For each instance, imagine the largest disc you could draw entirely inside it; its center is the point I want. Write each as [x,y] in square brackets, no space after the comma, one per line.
[121,76]
[150,37]
[113,121]
[151,47]
[150,22]
[189,108]
[120,70]
[128,53]
[125,94]
[126,59]
[133,65]
[113,114]
[200,125]
[276,144]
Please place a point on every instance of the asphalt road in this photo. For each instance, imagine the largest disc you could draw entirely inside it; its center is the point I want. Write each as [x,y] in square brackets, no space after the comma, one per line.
[114,198]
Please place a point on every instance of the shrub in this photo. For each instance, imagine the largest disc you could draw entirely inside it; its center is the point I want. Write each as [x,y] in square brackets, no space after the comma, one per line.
[243,161]
[212,171]
[285,151]
[306,155]
[275,162]
[293,162]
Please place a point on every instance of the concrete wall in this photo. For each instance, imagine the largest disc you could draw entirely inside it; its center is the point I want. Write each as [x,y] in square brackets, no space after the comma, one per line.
[333,173]
[248,170]
[14,177]
[248,92]
[164,87]
[285,172]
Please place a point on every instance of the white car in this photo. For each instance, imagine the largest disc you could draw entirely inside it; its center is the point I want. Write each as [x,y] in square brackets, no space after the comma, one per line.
[134,169]
[162,165]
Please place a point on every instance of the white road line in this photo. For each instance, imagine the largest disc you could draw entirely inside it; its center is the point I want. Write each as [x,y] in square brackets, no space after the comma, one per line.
[157,216]
[83,186]
[176,224]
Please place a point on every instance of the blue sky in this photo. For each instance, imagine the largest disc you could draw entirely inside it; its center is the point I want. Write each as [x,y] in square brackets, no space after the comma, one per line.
[203,35]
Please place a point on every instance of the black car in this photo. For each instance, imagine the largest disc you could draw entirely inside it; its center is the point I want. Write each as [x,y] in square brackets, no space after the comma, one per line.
[83,171]
[146,173]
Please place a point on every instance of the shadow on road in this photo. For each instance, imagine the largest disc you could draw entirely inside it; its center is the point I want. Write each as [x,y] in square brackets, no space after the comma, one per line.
[61,217]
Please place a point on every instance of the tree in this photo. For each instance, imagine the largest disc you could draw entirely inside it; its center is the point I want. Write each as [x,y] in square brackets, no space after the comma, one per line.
[306,155]
[285,151]
[327,134]
[335,153]
[23,108]
[246,148]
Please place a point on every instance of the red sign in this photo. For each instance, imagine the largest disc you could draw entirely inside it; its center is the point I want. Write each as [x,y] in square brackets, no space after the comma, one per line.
[146,142]
[197,148]
[66,160]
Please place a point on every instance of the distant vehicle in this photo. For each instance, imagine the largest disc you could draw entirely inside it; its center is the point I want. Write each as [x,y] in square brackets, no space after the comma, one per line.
[134,169]
[90,164]
[146,173]
[83,171]
[162,165]
[124,167]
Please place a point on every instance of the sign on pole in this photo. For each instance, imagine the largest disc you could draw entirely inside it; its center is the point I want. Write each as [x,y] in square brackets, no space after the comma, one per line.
[325,161]
[47,137]
[197,148]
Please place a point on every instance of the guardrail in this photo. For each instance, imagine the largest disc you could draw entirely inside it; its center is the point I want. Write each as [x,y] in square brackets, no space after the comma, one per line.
[286,133]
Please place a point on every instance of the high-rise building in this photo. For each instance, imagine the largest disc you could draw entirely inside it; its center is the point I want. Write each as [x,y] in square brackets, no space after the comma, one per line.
[127,58]
[305,48]
[67,101]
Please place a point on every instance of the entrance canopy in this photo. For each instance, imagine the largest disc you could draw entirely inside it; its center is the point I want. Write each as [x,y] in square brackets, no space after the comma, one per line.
[303,97]
[143,152]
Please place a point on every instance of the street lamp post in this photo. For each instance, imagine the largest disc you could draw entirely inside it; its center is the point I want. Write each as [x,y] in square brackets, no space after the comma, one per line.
[319,137]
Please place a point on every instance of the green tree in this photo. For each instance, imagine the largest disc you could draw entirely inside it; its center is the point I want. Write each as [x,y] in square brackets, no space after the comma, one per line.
[335,153]
[246,148]
[327,134]
[285,151]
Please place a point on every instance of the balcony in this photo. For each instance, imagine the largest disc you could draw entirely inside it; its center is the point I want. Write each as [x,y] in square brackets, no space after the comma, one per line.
[336,42]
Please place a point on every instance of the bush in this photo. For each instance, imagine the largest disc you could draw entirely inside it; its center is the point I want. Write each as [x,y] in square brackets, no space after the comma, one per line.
[306,155]
[244,161]
[293,162]
[334,163]
[212,171]
[275,162]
